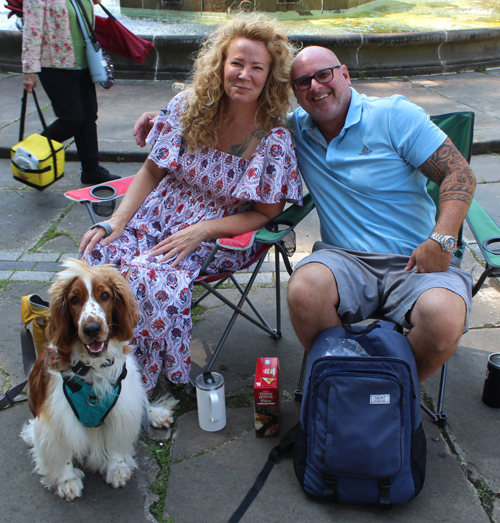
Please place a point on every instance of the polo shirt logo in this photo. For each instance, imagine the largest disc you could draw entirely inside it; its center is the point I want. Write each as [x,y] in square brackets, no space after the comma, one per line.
[365,150]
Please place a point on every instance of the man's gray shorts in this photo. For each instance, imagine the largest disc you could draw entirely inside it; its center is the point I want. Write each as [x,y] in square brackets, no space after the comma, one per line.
[372,284]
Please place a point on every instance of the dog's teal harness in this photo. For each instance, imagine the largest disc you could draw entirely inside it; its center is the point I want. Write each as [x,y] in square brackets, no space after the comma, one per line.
[90,408]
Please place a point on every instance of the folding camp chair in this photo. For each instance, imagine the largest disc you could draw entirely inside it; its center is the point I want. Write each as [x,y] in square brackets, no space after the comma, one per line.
[459,127]
[99,200]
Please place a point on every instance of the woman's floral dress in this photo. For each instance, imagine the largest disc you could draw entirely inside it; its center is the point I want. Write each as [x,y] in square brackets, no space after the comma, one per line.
[204,186]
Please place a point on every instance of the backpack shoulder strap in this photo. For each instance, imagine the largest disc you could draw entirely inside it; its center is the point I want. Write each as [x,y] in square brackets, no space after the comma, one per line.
[285,445]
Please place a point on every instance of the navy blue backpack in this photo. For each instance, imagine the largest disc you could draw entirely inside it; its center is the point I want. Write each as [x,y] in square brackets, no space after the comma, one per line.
[360,439]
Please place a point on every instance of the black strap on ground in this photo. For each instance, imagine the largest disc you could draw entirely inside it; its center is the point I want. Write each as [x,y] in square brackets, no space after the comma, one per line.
[29,354]
[285,445]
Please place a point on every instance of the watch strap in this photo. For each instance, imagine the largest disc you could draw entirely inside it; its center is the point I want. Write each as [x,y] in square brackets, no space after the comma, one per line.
[441,239]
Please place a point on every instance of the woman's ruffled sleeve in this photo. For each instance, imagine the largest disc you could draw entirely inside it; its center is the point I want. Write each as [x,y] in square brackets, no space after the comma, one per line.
[272,175]
[166,135]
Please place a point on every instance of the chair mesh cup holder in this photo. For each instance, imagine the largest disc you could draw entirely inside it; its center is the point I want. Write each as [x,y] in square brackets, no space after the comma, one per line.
[288,242]
[106,195]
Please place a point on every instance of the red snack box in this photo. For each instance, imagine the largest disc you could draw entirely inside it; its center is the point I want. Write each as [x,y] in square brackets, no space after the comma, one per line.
[266,397]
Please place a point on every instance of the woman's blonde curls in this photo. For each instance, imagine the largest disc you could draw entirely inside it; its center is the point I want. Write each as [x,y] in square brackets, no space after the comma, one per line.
[205,107]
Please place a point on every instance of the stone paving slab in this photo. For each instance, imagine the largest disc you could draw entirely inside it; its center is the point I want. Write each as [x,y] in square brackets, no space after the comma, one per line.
[486,167]
[40,257]
[489,199]
[10,256]
[27,217]
[225,472]
[32,276]
[12,93]
[25,499]
[246,343]
[473,426]
[16,266]
[446,85]
[45,266]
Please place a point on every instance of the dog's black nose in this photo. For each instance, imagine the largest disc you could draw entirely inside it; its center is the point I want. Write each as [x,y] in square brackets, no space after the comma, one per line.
[92,329]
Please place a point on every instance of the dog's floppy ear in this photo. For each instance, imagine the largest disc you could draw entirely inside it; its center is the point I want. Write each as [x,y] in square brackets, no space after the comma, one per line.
[60,330]
[125,314]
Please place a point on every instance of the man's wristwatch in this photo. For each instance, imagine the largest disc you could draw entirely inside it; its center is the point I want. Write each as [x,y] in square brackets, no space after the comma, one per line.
[448,243]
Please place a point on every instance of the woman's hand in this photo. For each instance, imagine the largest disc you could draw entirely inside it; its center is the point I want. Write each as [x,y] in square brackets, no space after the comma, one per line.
[143,126]
[180,244]
[93,236]
[30,81]
[187,240]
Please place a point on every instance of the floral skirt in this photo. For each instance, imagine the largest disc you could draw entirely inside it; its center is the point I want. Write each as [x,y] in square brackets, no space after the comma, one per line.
[163,335]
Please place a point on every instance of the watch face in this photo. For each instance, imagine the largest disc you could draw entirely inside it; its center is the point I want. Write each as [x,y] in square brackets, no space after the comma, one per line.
[449,243]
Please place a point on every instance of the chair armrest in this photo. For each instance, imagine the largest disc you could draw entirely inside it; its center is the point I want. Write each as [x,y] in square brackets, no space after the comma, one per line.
[289,217]
[85,194]
[486,231]
[272,232]
[238,243]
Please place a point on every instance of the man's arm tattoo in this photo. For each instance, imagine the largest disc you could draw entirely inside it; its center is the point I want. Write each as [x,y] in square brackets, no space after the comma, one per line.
[447,168]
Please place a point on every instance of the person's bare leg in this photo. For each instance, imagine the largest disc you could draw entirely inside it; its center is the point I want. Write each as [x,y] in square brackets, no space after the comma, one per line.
[437,320]
[313,300]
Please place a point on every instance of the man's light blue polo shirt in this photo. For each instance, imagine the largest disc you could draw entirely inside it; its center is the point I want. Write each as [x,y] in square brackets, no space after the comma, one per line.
[365,183]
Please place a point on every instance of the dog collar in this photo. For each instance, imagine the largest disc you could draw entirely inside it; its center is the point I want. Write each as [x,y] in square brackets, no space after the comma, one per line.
[90,408]
[81,368]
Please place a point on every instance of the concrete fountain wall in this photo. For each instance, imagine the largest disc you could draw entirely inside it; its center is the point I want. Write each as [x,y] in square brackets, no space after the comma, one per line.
[366,55]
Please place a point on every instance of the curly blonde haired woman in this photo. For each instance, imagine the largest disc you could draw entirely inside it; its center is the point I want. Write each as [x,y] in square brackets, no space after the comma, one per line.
[221,164]
[205,112]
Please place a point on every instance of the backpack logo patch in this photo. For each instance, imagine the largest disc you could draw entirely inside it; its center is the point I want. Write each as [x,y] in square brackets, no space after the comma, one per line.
[380,399]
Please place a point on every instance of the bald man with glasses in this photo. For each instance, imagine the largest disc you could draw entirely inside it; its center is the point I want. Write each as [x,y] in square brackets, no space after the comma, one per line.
[366,162]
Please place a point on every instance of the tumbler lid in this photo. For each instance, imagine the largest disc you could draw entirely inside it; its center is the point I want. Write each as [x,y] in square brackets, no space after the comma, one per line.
[494,359]
[210,381]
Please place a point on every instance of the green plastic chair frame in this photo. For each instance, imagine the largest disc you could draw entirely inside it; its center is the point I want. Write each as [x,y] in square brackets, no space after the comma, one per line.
[459,127]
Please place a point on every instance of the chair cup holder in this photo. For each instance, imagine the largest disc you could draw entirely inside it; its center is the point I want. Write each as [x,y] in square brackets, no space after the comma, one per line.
[492,245]
[106,195]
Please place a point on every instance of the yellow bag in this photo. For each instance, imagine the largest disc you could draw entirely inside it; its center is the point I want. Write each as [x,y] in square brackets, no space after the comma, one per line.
[35,151]
[35,310]
[36,161]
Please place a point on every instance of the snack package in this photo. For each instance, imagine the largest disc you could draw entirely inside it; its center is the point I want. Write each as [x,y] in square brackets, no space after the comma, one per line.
[266,397]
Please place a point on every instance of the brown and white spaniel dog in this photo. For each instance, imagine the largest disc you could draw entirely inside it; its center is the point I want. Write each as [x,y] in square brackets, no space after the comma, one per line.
[85,389]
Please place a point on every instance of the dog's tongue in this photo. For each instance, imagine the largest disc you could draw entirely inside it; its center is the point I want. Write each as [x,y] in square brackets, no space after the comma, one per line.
[95,346]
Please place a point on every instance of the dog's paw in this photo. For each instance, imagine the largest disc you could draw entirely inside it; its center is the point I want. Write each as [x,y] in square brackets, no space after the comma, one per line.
[71,488]
[161,411]
[119,472]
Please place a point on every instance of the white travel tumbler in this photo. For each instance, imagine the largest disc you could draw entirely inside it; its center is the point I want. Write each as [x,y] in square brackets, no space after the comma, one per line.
[211,401]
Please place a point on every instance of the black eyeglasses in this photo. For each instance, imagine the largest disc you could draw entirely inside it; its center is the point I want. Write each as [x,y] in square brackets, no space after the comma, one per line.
[304,82]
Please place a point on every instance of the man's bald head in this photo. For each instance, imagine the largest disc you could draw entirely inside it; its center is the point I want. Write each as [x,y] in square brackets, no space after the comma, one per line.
[324,91]
[314,52]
